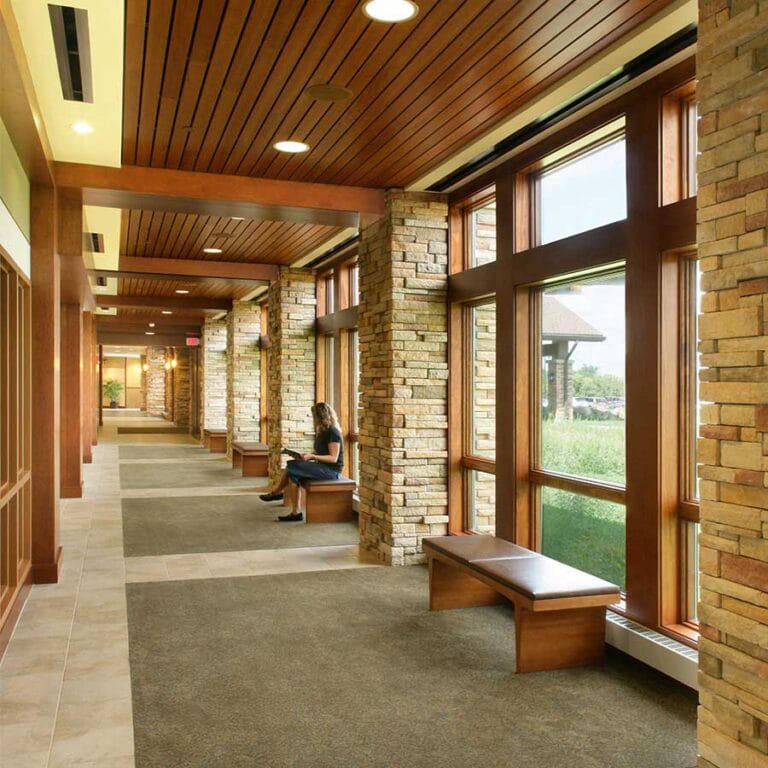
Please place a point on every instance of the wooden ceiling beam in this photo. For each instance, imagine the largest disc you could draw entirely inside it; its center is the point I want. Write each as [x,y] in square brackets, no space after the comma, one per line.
[116,325]
[190,269]
[114,338]
[160,189]
[130,275]
[164,302]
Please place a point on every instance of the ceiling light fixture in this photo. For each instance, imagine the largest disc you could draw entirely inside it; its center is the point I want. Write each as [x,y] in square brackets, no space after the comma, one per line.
[166,312]
[149,333]
[212,250]
[390,11]
[82,128]
[294,147]
[237,218]
[151,325]
[182,290]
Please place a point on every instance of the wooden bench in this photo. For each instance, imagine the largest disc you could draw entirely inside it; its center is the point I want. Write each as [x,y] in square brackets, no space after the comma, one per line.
[559,610]
[252,458]
[326,501]
[215,440]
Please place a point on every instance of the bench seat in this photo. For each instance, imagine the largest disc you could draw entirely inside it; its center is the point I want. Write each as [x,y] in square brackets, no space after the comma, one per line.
[559,610]
[252,458]
[215,440]
[326,501]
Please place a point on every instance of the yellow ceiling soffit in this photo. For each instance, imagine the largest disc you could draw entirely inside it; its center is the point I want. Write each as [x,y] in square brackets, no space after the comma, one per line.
[672,19]
[105,114]
[106,222]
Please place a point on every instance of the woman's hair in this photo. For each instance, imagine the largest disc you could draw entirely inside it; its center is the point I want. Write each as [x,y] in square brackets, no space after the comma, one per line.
[324,416]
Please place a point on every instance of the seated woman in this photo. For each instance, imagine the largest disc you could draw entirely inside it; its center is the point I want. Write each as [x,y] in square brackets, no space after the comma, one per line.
[325,463]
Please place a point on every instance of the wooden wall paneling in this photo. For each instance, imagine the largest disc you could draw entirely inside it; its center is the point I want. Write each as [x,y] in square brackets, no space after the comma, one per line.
[71,401]
[46,551]
[86,387]
[643,374]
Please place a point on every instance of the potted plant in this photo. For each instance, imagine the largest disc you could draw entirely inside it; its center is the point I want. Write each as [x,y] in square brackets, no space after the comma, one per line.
[112,389]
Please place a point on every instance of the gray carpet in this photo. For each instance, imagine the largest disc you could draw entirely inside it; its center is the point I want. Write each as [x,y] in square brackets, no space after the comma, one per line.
[341,669]
[181,525]
[165,452]
[196,474]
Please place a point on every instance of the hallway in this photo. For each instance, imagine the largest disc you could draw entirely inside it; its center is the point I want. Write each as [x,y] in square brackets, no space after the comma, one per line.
[65,686]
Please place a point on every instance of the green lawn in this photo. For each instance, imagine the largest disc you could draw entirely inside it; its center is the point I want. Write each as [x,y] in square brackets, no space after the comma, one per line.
[586,533]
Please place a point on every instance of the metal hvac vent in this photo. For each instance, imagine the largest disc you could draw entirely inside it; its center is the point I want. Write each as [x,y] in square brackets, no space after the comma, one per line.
[73,51]
[93,242]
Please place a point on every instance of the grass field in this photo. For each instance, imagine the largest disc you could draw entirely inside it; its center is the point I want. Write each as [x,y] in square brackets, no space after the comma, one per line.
[587,533]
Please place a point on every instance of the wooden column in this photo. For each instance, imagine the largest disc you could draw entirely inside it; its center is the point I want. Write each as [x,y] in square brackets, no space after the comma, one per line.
[70,238]
[88,387]
[46,552]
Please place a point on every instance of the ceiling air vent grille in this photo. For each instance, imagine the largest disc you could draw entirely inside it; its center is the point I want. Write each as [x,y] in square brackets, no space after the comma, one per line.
[93,242]
[73,51]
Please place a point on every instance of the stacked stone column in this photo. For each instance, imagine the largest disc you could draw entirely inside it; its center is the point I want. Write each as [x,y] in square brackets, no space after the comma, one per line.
[155,378]
[243,373]
[733,449]
[291,375]
[403,267]
[213,375]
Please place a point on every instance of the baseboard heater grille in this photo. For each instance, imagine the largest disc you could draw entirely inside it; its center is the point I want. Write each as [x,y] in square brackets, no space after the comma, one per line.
[674,659]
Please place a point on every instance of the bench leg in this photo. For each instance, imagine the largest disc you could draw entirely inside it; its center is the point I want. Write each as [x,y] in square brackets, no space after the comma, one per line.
[558,639]
[451,587]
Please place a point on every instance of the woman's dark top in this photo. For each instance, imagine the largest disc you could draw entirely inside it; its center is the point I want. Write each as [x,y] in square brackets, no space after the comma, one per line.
[322,442]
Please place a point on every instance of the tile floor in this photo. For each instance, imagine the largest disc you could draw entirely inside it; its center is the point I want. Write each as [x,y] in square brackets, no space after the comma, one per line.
[65,687]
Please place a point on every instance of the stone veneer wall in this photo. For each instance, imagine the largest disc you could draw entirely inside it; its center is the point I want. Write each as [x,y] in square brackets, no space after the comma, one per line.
[291,374]
[733,449]
[155,381]
[182,388]
[213,375]
[243,379]
[403,267]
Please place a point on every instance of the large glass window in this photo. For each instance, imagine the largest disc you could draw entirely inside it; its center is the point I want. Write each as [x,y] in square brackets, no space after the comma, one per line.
[481,225]
[587,533]
[582,342]
[585,190]
[482,363]
[481,501]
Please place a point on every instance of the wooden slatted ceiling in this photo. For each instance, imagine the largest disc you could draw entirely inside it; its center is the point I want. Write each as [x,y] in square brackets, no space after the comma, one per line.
[152,315]
[215,290]
[210,85]
[183,236]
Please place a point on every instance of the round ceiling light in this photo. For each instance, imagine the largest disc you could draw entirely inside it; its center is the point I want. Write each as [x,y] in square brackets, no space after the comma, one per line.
[212,250]
[82,128]
[293,147]
[390,11]
[328,92]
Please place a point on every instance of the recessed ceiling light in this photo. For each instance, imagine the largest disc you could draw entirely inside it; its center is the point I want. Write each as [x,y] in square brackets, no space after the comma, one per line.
[182,290]
[151,325]
[166,312]
[149,333]
[291,146]
[328,92]
[212,250]
[82,128]
[390,10]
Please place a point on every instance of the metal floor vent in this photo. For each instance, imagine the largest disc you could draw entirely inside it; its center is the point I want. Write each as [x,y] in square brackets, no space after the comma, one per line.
[674,659]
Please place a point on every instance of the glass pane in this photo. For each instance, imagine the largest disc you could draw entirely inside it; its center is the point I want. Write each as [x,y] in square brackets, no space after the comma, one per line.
[482,235]
[354,390]
[692,585]
[586,192]
[354,286]
[694,362]
[482,421]
[586,533]
[582,378]
[330,297]
[330,370]
[481,502]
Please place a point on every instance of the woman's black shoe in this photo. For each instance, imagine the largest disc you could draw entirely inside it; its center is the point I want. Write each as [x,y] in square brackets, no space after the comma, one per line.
[271,496]
[292,518]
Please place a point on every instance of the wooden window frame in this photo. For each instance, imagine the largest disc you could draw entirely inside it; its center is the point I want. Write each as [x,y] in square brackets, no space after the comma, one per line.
[646,241]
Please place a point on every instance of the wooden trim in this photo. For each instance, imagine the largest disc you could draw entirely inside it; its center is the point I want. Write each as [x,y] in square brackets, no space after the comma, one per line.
[479,464]
[171,275]
[593,488]
[16,604]
[472,284]
[677,225]
[690,511]
[341,320]
[161,189]
[165,302]
[217,271]
[141,339]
